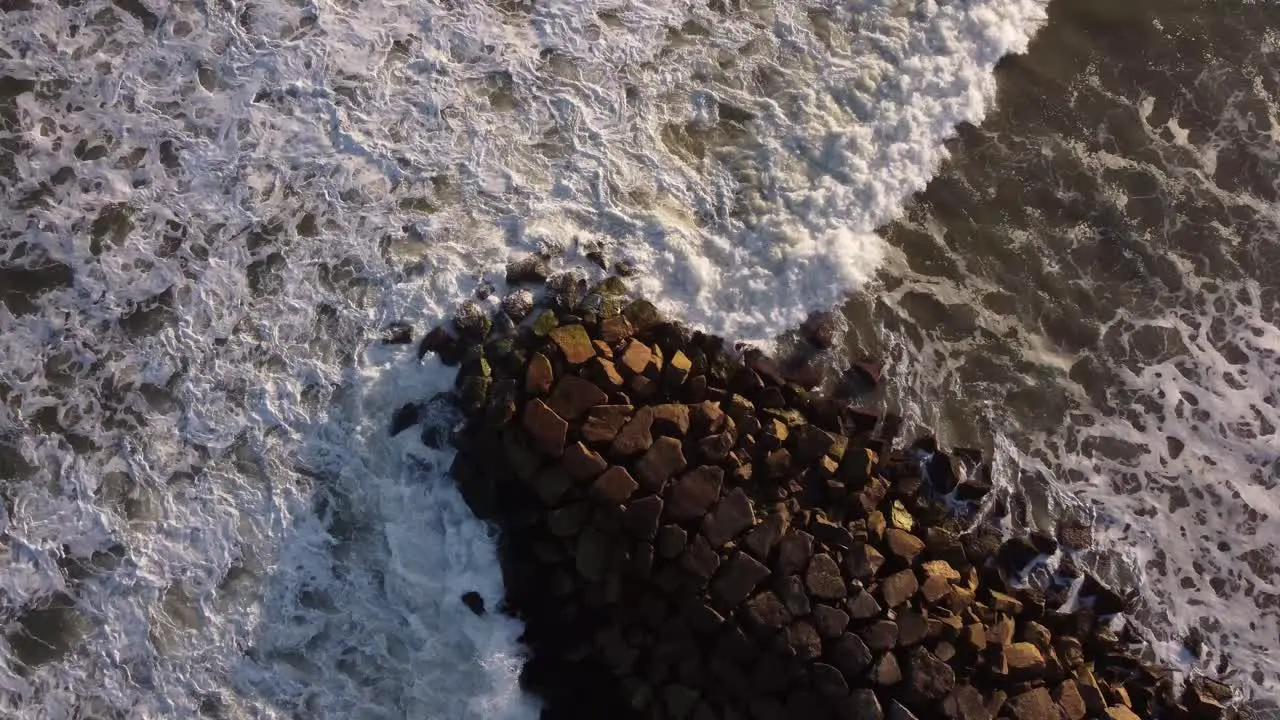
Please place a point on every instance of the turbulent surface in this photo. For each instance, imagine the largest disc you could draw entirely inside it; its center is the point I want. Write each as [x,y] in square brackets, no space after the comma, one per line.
[1094,279]
[209,209]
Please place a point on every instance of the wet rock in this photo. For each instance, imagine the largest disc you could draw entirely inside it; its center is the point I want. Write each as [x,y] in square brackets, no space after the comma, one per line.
[404,418]
[737,578]
[528,269]
[929,677]
[692,495]
[851,655]
[613,487]
[573,396]
[539,376]
[663,459]
[582,463]
[446,346]
[730,517]
[635,436]
[474,602]
[574,343]
[604,421]
[819,329]
[471,321]
[823,579]
[518,304]
[642,314]
[1016,554]
[397,333]
[614,330]
[547,429]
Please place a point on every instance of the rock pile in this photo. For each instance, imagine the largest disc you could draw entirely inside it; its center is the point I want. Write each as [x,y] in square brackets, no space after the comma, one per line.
[689,535]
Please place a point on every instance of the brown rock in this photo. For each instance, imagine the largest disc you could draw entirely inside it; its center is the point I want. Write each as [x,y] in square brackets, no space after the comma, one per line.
[936,587]
[1120,712]
[604,421]
[679,700]
[941,568]
[823,578]
[1068,697]
[671,419]
[568,520]
[777,464]
[689,497]
[828,681]
[573,396]
[539,376]
[829,621]
[761,539]
[670,541]
[547,429]
[880,635]
[851,655]
[903,545]
[699,558]
[677,370]
[737,578]
[1024,660]
[913,627]
[965,703]
[641,519]
[1038,635]
[791,591]
[602,349]
[614,487]
[862,606]
[830,534]
[616,329]
[582,463]
[794,550]
[706,418]
[592,554]
[886,671]
[551,484]
[730,517]
[1087,686]
[634,437]
[767,611]
[1006,604]
[714,448]
[663,459]
[898,588]
[862,561]
[574,343]
[604,373]
[929,677]
[1034,705]
[804,639]
[1070,651]
[809,442]
[636,358]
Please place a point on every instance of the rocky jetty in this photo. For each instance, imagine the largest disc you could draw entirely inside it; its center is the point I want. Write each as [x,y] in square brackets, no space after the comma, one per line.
[691,532]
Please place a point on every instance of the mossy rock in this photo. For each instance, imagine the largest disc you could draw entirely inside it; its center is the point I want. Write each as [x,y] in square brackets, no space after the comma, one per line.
[642,314]
[612,286]
[545,323]
[472,393]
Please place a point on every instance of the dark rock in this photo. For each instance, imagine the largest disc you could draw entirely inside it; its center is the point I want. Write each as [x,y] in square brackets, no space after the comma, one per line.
[539,376]
[832,535]
[886,671]
[404,418]
[715,448]
[500,408]
[671,419]
[765,610]
[898,588]
[861,704]
[634,437]
[573,396]
[544,323]
[397,333]
[1034,704]
[568,520]
[851,655]
[670,541]
[804,639]
[707,417]
[863,606]
[690,496]
[663,459]
[929,677]
[966,703]
[613,487]
[730,517]
[762,538]
[439,341]
[528,269]
[582,463]
[880,635]
[641,519]
[1069,700]
[819,329]
[737,578]
[913,626]
[604,421]
[679,701]
[603,373]
[791,591]
[829,621]
[518,304]
[828,681]
[642,314]
[862,561]
[551,484]
[809,442]
[474,602]
[677,370]
[794,550]
[592,554]
[471,321]
[547,429]
[903,545]
[614,330]
[823,579]
[898,711]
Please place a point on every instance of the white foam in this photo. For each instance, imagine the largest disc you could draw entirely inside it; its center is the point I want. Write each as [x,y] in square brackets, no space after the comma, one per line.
[296,175]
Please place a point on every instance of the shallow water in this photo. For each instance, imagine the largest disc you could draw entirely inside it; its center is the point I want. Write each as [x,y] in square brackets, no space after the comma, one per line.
[1089,288]
[210,209]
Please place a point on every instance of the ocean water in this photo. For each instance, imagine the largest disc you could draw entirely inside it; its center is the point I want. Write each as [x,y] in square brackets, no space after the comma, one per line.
[210,210]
